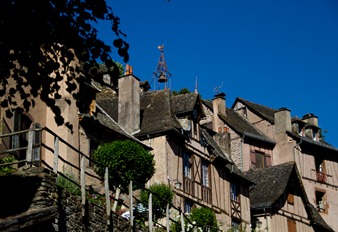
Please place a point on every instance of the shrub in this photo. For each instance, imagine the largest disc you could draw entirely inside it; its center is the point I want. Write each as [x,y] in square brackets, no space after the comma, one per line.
[69,183]
[162,195]
[8,168]
[204,218]
[126,160]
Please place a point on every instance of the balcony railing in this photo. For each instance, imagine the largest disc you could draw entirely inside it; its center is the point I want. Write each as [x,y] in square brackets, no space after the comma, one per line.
[206,194]
[235,209]
[188,186]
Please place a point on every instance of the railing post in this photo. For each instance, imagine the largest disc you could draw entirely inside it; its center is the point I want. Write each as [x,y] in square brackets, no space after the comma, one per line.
[167,217]
[83,185]
[150,211]
[182,222]
[56,154]
[131,205]
[106,189]
[30,146]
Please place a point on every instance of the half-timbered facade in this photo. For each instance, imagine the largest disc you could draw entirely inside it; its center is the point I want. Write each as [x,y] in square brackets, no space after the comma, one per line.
[187,156]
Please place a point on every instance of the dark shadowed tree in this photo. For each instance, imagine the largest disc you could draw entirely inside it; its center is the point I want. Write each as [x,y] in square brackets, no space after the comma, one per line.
[39,41]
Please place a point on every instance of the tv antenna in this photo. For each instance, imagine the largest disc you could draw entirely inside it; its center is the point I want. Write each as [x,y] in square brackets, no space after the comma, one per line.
[217,89]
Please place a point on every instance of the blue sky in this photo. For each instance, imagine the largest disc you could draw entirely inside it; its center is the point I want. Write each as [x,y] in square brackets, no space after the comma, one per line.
[274,53]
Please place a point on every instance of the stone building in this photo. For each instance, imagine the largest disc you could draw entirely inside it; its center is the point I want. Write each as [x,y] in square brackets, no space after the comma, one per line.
[262,137]
[187,156]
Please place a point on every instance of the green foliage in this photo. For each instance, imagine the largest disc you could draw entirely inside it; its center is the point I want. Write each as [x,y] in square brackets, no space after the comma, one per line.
[202,218]
[69,183]
[57,35]
[182,91]
[238,229]
[6,169]
[162,195]
[126,160]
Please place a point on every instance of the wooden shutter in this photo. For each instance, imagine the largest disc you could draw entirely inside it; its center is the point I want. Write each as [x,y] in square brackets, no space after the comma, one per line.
[253,158]
[291,199]
[291,226]
[268,160]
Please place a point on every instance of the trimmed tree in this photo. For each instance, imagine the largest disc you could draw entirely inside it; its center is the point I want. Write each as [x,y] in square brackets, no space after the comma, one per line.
[126,161]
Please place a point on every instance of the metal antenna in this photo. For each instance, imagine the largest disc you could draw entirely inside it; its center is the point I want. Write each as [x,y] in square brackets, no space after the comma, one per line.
[217,88]
[161,74]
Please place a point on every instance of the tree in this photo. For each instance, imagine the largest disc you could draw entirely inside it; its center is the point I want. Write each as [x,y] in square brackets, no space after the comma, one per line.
[126,160]
[182,91]
[205,218]
[162,195]
[39,42]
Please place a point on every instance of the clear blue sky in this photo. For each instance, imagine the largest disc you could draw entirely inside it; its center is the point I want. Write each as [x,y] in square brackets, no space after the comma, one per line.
[276,53]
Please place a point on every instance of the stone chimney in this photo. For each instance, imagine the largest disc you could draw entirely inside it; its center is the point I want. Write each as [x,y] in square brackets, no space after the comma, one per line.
[129,103]
[219,107]
[310,118]
[282,121]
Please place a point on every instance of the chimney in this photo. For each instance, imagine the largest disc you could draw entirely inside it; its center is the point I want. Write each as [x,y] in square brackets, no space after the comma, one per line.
[219,107]
[310,118]
[129,103]
[282,121]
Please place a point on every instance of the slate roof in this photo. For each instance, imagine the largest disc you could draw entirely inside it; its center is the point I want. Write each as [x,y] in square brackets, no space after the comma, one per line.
[158,109]
[243,127]
[157,114]
[240,125]
[309,141]
[263,111]
[183,103]
[217,150]
[105,120]
[271,184]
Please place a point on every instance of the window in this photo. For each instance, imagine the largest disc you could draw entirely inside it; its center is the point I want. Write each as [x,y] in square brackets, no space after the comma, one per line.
[234,191]
[188,184]
[187,206]
[206,190]
[260,159]
[321,204]
[205,173]
[320,169]
[235,225]
[186,165]
[291,225]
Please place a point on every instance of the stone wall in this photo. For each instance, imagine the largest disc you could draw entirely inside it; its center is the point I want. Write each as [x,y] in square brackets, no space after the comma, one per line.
[53,209]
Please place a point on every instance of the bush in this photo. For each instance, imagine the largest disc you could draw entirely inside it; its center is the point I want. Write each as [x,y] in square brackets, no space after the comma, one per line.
[126,160]
[69,183]
[162,195]
[6,169]
[204,218]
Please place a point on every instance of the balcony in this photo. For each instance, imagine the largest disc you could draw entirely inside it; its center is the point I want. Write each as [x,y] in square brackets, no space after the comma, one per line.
[321,176]
[206,194]
[235,209]
[188,186]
